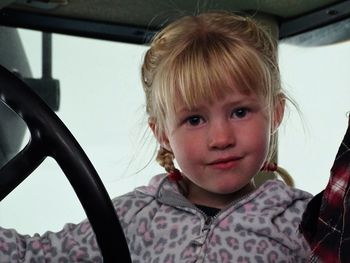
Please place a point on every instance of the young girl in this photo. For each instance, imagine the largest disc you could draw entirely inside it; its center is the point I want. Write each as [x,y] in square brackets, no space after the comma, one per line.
[214,100]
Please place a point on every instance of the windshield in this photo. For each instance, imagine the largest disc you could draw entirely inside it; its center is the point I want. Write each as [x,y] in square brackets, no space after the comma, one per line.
[102,103]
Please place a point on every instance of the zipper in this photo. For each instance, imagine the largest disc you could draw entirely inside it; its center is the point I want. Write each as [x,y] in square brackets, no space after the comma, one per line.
[181,202]
[207,223]
[208,220]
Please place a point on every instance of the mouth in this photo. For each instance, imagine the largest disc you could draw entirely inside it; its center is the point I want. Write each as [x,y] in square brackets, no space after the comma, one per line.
[225,163]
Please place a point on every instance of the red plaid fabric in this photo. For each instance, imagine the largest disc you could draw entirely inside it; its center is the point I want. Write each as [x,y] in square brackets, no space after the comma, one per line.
[326,220]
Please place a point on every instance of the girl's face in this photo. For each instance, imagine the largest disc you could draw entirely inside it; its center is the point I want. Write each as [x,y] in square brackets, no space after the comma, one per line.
[220,146]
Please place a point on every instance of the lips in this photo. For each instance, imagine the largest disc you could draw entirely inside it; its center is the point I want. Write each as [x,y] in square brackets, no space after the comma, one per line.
[225,163]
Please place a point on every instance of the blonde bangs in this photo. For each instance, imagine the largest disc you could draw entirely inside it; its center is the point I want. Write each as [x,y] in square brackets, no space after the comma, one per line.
[207,69]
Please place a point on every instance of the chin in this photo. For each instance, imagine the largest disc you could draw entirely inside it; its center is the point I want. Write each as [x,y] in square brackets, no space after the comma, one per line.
[231,189]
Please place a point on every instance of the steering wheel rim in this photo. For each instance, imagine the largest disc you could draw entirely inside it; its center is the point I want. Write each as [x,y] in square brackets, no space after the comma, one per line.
[50,137]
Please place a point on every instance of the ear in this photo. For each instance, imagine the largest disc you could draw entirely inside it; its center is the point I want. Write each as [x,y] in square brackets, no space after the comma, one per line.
[278,112]
[161,137]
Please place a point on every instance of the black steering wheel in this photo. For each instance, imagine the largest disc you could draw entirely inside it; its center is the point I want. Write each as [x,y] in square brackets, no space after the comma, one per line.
[50,137]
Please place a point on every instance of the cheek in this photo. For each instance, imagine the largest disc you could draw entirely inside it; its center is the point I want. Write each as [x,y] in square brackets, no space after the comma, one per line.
[186,149]
[264,144]
[258,139]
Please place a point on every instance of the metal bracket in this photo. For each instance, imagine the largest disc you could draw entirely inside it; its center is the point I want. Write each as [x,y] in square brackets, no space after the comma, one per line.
[315,20]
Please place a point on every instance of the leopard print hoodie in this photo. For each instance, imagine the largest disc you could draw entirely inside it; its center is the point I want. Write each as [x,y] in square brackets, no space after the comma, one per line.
[162,226]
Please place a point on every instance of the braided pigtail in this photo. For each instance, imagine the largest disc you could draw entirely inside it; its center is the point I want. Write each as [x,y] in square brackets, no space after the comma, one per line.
[273,167]
[165,159]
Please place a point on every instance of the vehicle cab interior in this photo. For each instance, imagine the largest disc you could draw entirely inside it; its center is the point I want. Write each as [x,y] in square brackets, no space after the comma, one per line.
[77,136]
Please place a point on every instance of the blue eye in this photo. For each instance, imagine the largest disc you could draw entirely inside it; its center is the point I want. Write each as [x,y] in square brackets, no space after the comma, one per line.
[240,113]
[194,120]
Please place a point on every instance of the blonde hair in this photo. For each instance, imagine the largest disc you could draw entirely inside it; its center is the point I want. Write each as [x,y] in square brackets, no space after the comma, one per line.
[202,57]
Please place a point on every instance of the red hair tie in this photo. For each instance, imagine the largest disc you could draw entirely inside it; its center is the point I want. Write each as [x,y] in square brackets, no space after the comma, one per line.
[269,167]
[175,175]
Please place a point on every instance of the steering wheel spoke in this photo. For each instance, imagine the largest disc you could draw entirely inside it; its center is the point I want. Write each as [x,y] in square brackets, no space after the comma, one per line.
[50,137]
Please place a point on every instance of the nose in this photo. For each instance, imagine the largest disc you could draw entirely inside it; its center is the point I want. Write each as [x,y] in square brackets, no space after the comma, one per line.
[221,135]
